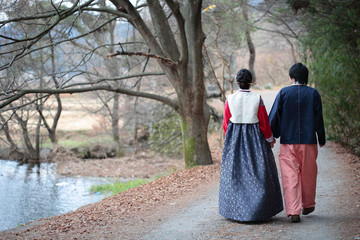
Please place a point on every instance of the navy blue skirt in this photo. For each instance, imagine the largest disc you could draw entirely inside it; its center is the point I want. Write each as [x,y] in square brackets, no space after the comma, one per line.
[249,183]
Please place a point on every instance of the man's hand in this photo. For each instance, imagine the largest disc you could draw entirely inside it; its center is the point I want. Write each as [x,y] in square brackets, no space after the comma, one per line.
[273,143]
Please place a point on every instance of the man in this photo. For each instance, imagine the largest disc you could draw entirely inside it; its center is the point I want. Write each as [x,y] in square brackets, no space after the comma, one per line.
[296,117]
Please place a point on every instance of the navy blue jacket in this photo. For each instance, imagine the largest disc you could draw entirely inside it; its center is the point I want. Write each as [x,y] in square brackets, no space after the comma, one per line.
[296,116]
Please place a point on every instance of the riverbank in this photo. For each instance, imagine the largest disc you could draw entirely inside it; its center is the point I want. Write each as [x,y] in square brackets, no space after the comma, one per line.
[127,211]
[30,191]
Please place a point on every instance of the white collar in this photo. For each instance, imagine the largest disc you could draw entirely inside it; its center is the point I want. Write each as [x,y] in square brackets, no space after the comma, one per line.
[297,83]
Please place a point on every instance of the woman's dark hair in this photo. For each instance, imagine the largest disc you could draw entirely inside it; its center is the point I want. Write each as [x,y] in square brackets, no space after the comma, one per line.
[244,78]
[300,73]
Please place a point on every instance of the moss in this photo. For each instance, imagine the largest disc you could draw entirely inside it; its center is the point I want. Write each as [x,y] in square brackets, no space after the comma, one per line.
[189,146]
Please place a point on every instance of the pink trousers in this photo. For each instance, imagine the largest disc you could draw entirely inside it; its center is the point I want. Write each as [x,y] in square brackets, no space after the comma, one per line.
[298,173]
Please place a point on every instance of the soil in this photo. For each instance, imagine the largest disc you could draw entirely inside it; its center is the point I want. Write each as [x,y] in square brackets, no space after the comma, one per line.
[137,166]
[183,205]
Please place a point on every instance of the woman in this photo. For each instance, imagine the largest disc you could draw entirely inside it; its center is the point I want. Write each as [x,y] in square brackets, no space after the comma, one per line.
[249,184]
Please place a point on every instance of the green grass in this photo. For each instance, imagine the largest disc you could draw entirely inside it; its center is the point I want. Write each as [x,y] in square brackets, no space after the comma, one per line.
[117,187]
[109,189]
[76,139]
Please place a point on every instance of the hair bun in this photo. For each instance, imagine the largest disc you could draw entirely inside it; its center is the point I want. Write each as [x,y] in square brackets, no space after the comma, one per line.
[244,75]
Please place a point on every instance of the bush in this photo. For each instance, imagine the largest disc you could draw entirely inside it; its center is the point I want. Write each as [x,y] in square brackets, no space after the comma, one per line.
[165,133]
[333,44]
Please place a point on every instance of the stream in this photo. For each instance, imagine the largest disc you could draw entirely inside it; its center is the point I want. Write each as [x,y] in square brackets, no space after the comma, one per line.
[32,191]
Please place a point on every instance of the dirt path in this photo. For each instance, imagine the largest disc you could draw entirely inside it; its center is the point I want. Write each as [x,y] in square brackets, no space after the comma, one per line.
[337,214]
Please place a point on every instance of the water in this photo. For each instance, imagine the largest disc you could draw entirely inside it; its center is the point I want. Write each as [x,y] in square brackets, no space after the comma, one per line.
[32,191]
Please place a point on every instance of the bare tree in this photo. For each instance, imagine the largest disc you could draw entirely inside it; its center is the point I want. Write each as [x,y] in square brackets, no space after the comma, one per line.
[23,118]
[104,40]
[51,129]
[224,39]
[176,45]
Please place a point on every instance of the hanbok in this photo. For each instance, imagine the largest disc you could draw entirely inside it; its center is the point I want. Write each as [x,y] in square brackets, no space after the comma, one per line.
[249,183]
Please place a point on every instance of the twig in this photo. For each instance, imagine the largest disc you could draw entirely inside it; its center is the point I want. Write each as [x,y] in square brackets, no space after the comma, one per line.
[161,59]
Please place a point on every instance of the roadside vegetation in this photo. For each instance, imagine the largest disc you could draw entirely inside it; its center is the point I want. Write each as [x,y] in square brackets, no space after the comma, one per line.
[333,47]
[110,189]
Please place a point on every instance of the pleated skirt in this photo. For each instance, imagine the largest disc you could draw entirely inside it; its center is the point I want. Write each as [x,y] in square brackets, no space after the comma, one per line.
[249,183]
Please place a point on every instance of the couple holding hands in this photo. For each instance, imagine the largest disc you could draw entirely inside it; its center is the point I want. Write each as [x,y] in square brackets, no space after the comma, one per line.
[249,183]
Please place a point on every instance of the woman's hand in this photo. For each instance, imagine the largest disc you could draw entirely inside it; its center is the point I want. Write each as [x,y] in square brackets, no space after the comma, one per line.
[273,143]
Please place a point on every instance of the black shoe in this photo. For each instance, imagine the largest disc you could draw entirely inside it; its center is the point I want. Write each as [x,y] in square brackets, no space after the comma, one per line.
[295,218]
[307,211]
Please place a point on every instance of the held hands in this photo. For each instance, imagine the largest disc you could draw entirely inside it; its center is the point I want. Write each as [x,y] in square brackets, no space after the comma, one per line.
[273,143]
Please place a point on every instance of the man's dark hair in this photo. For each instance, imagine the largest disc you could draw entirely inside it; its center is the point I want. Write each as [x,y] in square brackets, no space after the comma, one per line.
[300,73]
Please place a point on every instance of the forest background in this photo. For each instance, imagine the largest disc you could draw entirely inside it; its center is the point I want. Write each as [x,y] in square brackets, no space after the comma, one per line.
[103,79]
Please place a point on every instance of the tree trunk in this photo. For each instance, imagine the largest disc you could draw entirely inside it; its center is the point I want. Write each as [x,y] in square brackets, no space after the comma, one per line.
[51,129]
[30,150]
[113,68]
[136,120]
[194,135]
[5,127]
[37,139]
[115,119]
[194,110]
[293,51]
[185,72]
[249,42]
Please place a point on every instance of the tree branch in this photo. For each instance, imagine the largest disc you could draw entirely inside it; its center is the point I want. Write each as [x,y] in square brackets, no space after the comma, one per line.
[267,11]
[163,60]
[116,79]
[139,23]
[25,53]
[163,29]
[170,102]
[33,40]
[175,8]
